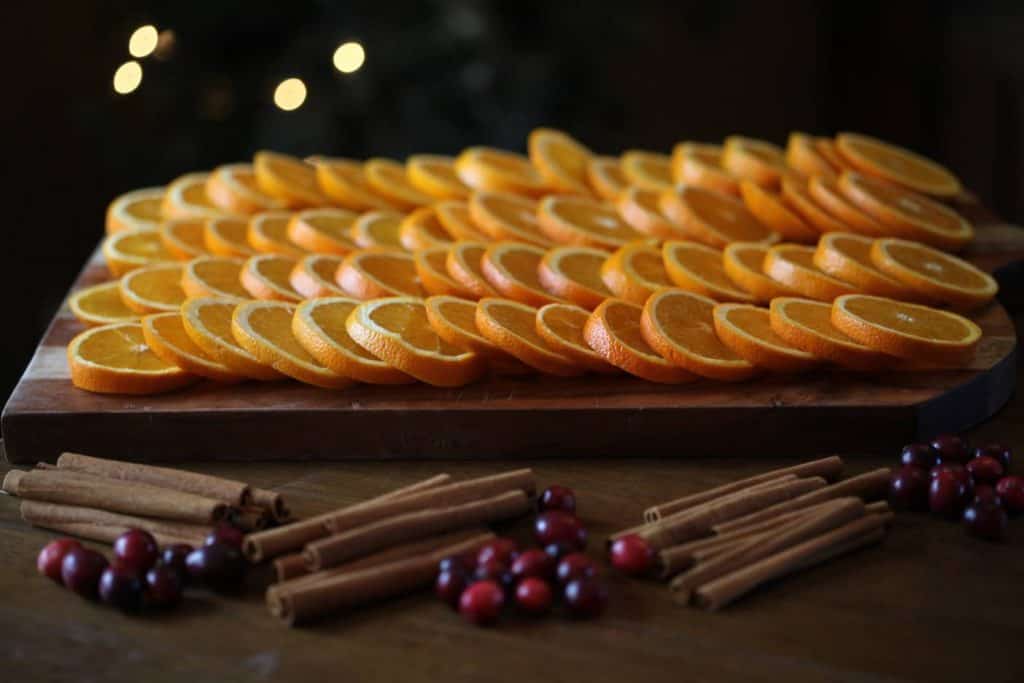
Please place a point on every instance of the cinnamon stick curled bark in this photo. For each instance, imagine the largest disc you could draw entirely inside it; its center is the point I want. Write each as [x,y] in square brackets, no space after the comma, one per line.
[104,526]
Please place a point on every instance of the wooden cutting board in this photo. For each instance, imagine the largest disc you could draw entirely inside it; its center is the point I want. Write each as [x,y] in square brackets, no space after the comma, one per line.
[824,411]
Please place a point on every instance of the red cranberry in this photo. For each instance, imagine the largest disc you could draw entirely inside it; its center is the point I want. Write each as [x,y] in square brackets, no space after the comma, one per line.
[174,556]
[452,563]
[135,550]
[908,488]
[52,555]
[985,469]
[481,603]
[493,569]
[225,533]
[586,598]
[533,596]
[575,566]
[121,587]
[998,451]
[218,566]
[558,550]
[449,586]
[557,497]
[947,495]
[986,519]
[987,493]
[557,526]
[918,455]
[163,585]
[953,469]
[533,563]
[632,555]
[951,448]
[81,569]
[1011,490]
[503,550]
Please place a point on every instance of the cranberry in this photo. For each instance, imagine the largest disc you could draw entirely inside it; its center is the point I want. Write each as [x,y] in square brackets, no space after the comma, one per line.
[135,550]
[998,451]
[163,585]
[533,563]
[985,469]
[52,555]
[956,470]
[987,492]
[533,595]
[558,550]
[493,569]
[502,549]
[947,495]
[1011,490]
[918,455]
[452,563]
[575,566]
[481,603]
[174,556]
[225,533]
[557,497]
[908,488]
[80,570]
[951,448]
[449,586]
[121,587]
[218,566]
[586,598]
[631,554]
[986,519]
[556,526]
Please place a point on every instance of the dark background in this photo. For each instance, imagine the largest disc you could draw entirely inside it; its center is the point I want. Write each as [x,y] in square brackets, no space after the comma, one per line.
[944,78]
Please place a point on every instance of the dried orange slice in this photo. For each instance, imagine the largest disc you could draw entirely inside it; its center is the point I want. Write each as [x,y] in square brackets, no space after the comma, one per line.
[574,273]
[322,231]
[268,276]
[136,210]
[183,238]
[647,170]
[343,181]
[933,274]
[377,229]
[897,165]
[495,170]
[713,218]
[827,149]
[827,195]
[803,156]
[560,159]
[848,257]
[186,198]
[153,289]
[434,175]
[756,160]
[512,327]
[507,217]
[227,237]
[387,178]
[313,276]
[605,177]
[512,269]
[232,188]
[268,234]
[698,268]
[101,305]
[166,337]
[679,326]
[115,359]
[583,222]
[774,213]
[744,264]
[798,199]
[454,320]
[613,332]
[319,326]
[455,219]
[432,270]
[397,331]
[905,330]
[634,272]
[127,250]
[372,273]
[463,264]
[421,229]
[747,330]
[561,327]
[291,180]
[640,209]
[699,164]
[214,276]
[807,325]
[907,214]
[793,266]
[208,324]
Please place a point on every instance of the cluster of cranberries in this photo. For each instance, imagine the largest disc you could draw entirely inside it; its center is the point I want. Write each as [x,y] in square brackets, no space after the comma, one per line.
[949,478]
[480,585]
[142,574]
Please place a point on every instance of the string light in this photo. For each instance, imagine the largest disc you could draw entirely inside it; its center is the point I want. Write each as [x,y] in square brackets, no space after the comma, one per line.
[127,77]
[349,57]
[143,41]
[290,94]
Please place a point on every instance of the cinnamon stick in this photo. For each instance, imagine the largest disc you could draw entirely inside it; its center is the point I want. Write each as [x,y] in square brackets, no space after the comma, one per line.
[828,468]
[429,483]
[290,566]
[249,518]
[272,502]
[390,531]
[11,481]
[104,526]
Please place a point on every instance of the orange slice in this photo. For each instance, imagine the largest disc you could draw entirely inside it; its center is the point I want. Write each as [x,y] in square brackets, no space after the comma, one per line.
[166,337]
[213,276]
[807,325]
[907,214]
[127,250]
[183,238]
[421,229]
[574,273]
[186,198]
[905,330]
[679,326]
[397,331]
[322,231]
[647,170]
[512,269]
[101,305]
[933,274]
[268,234]
[747,330]
[208,324]
[560,159]
[455,219]
[561,327]
[634,272]
[313,276]
[897,165]
[115,359]
[803,156]
[343,181]
[694,163]
[507,217]
[268,276]
[756,160]
[463,265]
[698,268]
[793,266]
[613,332]
[744,264]
[434,175]
[136,210]
[319,326]
[798,199]
[291,180]
[373,273]
[827,149]
[432,270]
[847,256]
[827,195]
[377,229]
[774,213]
[232,188]
[640,209]
[387,178]
[154,289]
[495,170]
[583,222]
[227,237]
[511,326]
[713,218]
[605,177]
[454,320]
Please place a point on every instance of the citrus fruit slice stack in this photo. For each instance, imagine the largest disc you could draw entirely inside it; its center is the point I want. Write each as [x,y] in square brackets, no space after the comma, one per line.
[701,165]
[647,170]
[457,222]
[605,177]
[743,263]
[773,212]
[495,170]
[561,326]
[136,210]
[807,325]
[713,218]
[847,256]
[127,250]
[574,273]
[634,272]
[422,229]
[432,271]
[212,276]
[512,326]
[166,336]
[268,233]
[507,217]
[756,160]
[804,157]
[313,276]
[156,289]
[388,179]
[269,277]
[560,160]
[372,273]
[183,238]
[186,198]
[896,165]
[793,266]
[640,208]
[227,237]
[377,229]
[290,180]
[699,269]
[464,265]
[115,359]
[434,175]
[207,323]
[454,320]
[101,305]
[934,275]
[747,330]
[512,269]
[343,182]
[233,189]
[614,332]
[583,222]
[322,231]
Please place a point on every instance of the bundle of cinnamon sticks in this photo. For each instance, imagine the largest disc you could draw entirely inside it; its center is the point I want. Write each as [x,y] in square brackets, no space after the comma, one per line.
[719,544]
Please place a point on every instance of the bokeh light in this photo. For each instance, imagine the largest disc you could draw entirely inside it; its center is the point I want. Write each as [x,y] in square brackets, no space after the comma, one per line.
[127,77]
[349,57]
[143,41]
[290,94]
